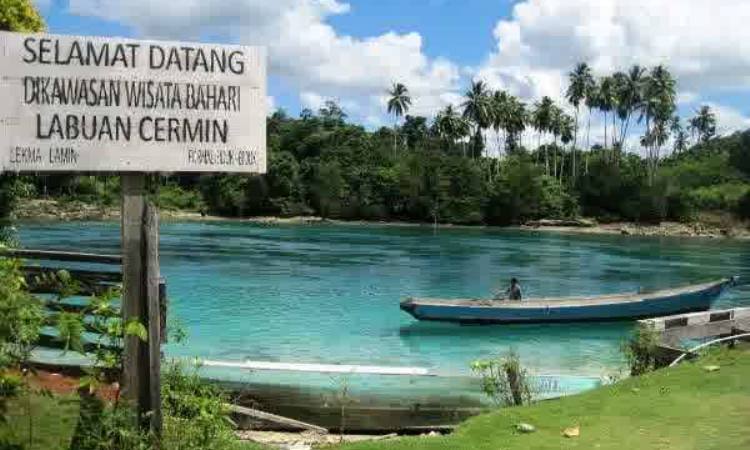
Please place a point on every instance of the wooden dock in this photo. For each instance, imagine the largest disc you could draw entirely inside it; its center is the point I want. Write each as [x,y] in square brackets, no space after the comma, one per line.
[676,329]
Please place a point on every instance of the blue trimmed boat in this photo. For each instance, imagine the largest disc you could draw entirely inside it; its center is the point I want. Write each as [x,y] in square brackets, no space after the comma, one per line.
[630,306]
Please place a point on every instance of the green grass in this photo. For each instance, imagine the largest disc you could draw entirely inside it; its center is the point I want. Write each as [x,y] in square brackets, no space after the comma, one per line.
[682,408]
[53,424]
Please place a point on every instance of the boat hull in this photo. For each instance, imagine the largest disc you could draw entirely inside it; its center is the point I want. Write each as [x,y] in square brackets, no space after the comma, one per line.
[539,311]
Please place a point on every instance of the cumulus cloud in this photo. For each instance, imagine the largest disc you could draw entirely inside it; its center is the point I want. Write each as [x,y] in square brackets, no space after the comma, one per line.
[303,48]
[705,44]
[729,119]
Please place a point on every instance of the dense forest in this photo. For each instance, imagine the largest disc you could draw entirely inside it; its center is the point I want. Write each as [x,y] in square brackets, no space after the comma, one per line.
[493,159]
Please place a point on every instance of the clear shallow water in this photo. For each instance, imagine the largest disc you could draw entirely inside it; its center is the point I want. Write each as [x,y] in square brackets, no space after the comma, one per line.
[330,294]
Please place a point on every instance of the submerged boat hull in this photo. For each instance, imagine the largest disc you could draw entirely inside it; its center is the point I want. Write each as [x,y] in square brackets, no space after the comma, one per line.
[604,308]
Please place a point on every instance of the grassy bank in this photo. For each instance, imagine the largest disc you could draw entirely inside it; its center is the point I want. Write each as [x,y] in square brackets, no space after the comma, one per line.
[686,407]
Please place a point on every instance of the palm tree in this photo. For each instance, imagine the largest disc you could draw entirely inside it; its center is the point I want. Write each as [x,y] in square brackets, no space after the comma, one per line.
[704,124]
[517,119]
[592,101]
[450,125]
[477,110]
[580,83]
[680,136]
[398,104]
[556,128]
[606,101]
[567,135]
[629,92]
[541,119]
[658,107]
[499,108]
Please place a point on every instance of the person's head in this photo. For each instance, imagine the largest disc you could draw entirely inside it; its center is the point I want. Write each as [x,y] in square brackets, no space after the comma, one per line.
[513,281]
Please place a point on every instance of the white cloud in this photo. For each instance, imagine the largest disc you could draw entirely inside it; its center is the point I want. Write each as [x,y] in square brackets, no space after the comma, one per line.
[729,119]
[705,44]
[303,47]
[270,105]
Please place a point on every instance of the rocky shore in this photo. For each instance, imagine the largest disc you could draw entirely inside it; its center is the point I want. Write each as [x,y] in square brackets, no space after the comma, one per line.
[40,209]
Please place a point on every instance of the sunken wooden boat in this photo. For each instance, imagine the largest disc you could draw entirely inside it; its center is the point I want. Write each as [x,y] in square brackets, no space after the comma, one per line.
[628,306]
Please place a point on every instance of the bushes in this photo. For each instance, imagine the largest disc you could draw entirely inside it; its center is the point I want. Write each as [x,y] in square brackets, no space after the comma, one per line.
[640,350]
[504,380]
[174,197]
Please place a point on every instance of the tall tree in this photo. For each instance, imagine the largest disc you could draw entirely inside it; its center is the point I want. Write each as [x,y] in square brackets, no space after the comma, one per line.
[451,126]
[680,135]
[399,102]
[704,124]
[477,109]
[629,93]
[658,107]
[517,119]
[592,101]
[541,119]
[606,101]
[499,106]
[580,83]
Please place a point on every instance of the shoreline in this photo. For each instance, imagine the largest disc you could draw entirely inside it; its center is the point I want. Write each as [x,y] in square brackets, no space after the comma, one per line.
[53,210]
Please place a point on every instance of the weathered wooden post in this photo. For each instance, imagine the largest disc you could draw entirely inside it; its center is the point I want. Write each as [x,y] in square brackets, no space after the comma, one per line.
[140,298]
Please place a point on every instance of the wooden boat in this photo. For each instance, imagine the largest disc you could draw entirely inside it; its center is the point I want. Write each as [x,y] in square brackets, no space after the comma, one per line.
[571,309]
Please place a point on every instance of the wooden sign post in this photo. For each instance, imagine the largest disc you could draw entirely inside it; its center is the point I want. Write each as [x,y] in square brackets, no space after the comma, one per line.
[78,104]
[140,298]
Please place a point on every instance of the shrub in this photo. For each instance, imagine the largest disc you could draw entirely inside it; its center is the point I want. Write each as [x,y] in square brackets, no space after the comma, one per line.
[504,380]
[640,350]
[21,315]
[195,415]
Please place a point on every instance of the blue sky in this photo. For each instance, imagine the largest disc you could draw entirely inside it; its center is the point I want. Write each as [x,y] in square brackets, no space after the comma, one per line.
[351,51]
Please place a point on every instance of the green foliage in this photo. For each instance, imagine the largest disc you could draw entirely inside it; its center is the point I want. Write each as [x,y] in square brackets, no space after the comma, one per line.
[174,197]
[20,15]
[21,315]
[640,350]
[102,427]
[504,380]
[195,411]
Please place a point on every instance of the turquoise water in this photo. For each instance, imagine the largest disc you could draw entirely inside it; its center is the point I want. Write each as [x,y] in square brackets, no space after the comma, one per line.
[330,293]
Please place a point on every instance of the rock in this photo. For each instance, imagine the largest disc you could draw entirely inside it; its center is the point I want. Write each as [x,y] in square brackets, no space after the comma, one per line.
[572,432]
[710,368]
[525,427]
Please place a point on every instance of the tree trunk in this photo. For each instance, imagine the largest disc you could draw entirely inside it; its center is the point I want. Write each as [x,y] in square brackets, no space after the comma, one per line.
[395,124]
[554,156]
[575,140]
[588,142]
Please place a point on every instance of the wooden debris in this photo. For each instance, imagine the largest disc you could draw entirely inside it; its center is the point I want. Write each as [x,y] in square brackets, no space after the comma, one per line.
[262,415]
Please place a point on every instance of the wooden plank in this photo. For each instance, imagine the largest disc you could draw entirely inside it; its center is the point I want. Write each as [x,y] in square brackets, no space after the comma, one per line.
[321,368]
[89,282]
[89,276]
[151,263]
[52,255]
[285,421]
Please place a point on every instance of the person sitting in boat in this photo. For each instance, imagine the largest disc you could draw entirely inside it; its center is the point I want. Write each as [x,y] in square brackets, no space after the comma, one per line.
[512,293]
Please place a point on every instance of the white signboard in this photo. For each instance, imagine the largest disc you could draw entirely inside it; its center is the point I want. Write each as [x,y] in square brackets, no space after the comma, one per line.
[90,104]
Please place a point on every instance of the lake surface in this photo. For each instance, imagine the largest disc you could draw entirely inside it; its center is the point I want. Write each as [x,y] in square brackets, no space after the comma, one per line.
[330,293]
